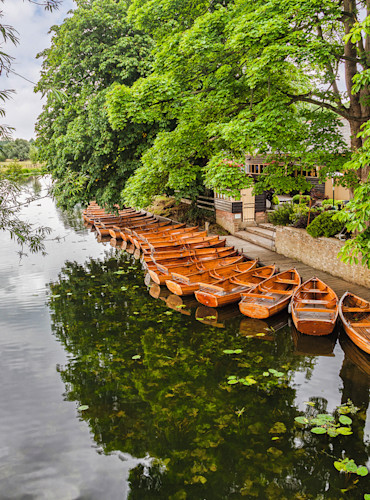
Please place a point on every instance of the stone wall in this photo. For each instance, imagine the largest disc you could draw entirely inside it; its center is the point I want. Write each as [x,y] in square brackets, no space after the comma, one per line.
[320,253]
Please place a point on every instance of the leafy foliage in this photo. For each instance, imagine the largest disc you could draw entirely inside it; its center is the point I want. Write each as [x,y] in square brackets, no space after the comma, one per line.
[91,51]
[324,225]
[282,215]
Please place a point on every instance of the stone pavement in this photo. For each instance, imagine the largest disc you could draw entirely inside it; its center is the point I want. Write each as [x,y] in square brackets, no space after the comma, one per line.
[267,257]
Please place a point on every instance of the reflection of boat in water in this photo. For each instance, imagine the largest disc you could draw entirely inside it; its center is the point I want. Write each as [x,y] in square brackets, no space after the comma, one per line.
[102,239]
[181,304]
[253,327]
[158,292]
[310,345]
[115,243]
[360,358]
[217,317]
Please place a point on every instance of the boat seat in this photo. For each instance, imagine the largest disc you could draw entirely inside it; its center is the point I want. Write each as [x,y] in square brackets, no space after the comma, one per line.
[276,290]
[313,290]
[314,301]
[314,309]
[258,295]
[355,309]
[288,282]
[361,324]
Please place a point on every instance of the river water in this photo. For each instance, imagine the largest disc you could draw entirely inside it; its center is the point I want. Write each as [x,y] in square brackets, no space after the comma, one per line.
[111,389]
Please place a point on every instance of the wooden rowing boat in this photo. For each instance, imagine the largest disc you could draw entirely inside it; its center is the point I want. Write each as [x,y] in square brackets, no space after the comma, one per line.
[190,267]
[229,290]
[271,296]
[187,253]
[170,233]
[181,284]
[314,308]
[172,240]
[355,315]
[192,243]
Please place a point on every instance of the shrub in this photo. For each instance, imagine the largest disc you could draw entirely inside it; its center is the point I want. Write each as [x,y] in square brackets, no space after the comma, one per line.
[324,225]
[281,216]
[275,200]
[302,221]
[329,203]
[301,198]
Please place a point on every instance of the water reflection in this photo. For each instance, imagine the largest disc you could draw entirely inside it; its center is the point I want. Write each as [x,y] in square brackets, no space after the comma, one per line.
[156,385]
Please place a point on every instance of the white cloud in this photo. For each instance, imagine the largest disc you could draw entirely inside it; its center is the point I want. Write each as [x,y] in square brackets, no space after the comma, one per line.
[33,24]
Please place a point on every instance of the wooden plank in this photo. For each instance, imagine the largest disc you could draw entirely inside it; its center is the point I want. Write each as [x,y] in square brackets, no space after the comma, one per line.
[361,324]
[282,292]
[286,281]
[259,295]
[314,301]
[356,309]
[313,290]
[314,309]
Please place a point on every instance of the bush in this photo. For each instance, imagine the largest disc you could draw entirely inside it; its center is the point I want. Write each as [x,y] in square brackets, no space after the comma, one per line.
[281,216]
[301,198]
[302,221]
[275,200]
[324,225]
[329,203]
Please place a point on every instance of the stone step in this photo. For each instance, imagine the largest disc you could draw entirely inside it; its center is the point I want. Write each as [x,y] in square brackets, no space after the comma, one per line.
[267,225]
[256,239]
[261,231]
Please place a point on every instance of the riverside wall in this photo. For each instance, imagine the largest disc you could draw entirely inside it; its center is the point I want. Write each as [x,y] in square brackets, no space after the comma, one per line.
[320,253]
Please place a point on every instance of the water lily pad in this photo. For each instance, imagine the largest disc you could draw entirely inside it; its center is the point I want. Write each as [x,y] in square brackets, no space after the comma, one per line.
[301,420]
[318,430]
[343,419]
[137,356]
[362,471]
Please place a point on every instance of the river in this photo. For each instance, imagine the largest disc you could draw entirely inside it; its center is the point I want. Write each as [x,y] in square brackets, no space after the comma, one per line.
[109,393]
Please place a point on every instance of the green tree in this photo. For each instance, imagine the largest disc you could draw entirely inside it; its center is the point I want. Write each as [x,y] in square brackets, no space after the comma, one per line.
[94,48]
[18,149]
[239,77]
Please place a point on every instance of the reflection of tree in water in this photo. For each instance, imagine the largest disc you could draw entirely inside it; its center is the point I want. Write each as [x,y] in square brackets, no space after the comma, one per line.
[210,440]
[71,218]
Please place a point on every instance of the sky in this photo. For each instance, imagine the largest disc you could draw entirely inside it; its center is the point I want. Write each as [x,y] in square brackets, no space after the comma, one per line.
[33,24]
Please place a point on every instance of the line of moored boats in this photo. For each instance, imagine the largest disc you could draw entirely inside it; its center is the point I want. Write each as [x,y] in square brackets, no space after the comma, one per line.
[188,261]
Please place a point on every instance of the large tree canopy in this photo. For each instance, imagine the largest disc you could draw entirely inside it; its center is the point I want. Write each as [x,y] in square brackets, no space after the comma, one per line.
[91,50]
[240,77]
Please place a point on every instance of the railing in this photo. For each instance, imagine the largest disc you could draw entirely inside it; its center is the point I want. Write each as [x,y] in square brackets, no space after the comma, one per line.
[204,202]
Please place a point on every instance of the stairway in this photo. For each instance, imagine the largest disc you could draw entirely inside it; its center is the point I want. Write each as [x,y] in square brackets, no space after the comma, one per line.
[262,235]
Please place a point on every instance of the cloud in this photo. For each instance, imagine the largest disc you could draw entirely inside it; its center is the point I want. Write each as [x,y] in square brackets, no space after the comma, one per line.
[33,24]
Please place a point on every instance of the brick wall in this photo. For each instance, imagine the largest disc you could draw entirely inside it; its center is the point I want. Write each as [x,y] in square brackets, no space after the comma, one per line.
[320,253]
[228,220]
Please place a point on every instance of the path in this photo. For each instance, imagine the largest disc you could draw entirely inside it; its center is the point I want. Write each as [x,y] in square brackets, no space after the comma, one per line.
[267,257]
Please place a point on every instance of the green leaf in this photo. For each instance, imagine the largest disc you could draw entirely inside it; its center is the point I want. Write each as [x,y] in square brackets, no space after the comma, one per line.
[345,431]
[343,419]
[137,356]
[339,466]
[318,430]
[362,470]
[301,420]
[83,407]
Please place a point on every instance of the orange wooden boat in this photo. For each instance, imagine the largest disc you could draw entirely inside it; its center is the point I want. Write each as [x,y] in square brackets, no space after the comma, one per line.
[271,296]
[163,227]
[170,231]
[191,267]
[170,240]
[229,290]
[191,244]
[104,227]
[314,308]
[129,227]
[180,255]
[355,315]
[181,284]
